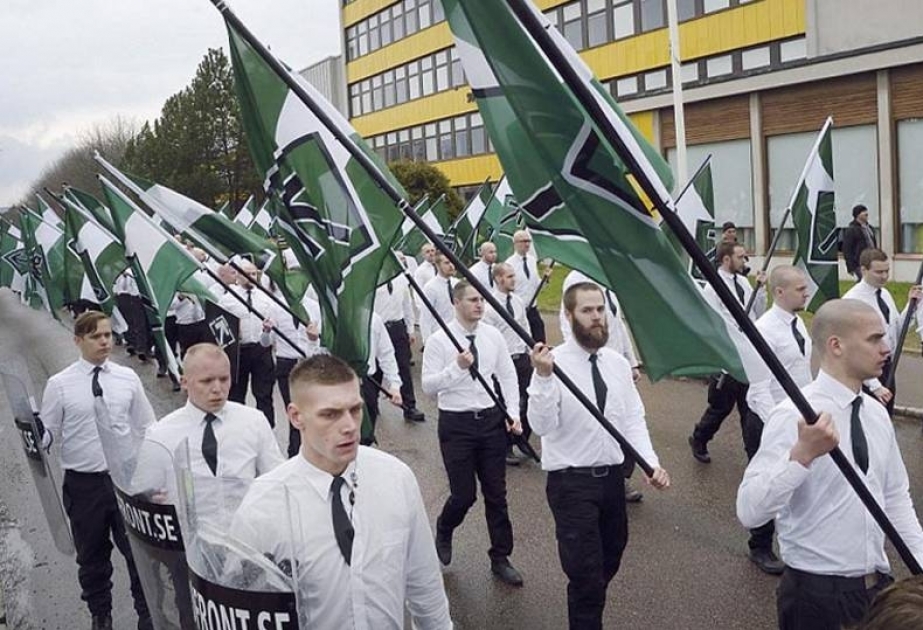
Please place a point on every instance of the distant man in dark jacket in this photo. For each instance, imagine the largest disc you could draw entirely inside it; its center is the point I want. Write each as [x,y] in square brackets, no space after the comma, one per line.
[857,237]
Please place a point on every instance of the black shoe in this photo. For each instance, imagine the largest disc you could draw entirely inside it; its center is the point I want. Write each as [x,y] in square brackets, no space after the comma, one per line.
[102,622]
[443,546]
[142,357]
[161,373]
[506,572]
[130,351]
[512,459]
[699,450]
[414,415]
[767,561]
[632,495]
[145,622]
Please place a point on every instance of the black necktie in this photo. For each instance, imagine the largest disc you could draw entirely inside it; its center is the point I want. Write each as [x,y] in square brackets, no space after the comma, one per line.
[210,444]
[883,306]
[342,526]
[612,306]
[740,290]
[509,305]
[860,446]
[490,275]
[525,267]
[97,390]
[473,348]
[799,338]
[598,383]
[390,288]
[448,283]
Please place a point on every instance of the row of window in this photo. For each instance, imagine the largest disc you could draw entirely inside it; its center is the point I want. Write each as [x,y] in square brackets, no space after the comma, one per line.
[390,25]
[421,77]
[736,63]
[447,139]
[585,23]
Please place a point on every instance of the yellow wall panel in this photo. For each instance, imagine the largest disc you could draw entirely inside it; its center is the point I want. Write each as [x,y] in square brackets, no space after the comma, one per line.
[471,171]
[433,107]
[644,121]
[420,43]
[355,11]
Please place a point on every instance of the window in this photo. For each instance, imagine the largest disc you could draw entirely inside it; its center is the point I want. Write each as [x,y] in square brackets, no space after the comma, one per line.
[733,187]
[446,148]
[462,147]
[478,135]
[552,15]
[390,93]
[710,6]
[573,25]
[413,79]
[374,33]
[378,94]
[458,71]
[719,66]
[655,80]
[400,84]
[653,15]
[792,50]
[442,71]
[426,18]
[623,20]
[397,21]
[352,43]
[626,86]
[685,10]
[910,184]
[755,58]
[362,33]
[426,73]
[432,144]
[596,23]
[438,12]
[411,18]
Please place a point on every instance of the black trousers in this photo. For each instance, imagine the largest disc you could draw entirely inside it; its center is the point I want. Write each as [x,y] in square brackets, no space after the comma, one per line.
[397,330]
[191,334]
[89,501]
[474,449]
[256,371]
[369,393]
[592,531]
[171,332]
[721,403]
[284,367]
[523,366]
[760,537]
[806,601]
[138,335]
[536,324]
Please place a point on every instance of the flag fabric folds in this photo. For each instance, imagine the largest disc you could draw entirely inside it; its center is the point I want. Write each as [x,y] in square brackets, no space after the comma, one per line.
[467,224]
[695,206]
[576,190]
[336,219]
[46,284]
[814,216]
[14,264]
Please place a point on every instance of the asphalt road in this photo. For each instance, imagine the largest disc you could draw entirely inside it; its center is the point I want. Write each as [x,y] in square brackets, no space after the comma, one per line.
[685,566]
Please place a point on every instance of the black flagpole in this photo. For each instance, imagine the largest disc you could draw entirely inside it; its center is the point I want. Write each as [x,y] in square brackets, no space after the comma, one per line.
[357,154]
[905,326]
[575,83]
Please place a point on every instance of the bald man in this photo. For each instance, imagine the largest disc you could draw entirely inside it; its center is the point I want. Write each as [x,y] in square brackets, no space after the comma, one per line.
[255,368]
[483,269]
[528,280]
[833,551]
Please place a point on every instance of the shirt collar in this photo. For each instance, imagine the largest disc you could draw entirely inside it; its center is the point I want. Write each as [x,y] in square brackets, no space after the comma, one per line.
[321,480]
[782,314]
[575,348]
[724,274]
[195,412]
[837,391]
[866,287]
[87,368]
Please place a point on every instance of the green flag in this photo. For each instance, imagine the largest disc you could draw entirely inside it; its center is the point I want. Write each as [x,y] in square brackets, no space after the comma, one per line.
[244,216]
[576,192]
[469,220]
[412,238]
[814,216]
[45,284]
[695,206]
[337,220]
[14,264]
[501,219]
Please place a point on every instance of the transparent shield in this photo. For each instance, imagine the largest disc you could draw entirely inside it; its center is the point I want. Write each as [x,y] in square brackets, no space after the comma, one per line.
[230,576]
[39,458]
[142,474]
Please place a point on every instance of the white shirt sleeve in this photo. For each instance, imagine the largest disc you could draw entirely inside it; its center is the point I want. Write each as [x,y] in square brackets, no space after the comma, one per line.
[544,403]
[440,369]
[384,353]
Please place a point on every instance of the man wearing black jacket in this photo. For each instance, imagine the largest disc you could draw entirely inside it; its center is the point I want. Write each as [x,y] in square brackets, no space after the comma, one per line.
[857,237]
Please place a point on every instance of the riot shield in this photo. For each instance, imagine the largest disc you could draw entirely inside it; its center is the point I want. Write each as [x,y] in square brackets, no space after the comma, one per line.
[142,475]
[43,470]
[230,579]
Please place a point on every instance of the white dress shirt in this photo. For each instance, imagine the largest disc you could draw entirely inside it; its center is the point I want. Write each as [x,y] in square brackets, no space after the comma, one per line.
[454,387]
[394,564]
[571,436]
[525,287]
[247,447]
[514,342]
[188,309]
[752,362]
[776,327]
[125,283]
[864,292]
[251,325]
[68,410]
[822,525]
[484,273]
[424,272]
[381,352]
[437,292]
[285,323]
[395,304]
[619,340]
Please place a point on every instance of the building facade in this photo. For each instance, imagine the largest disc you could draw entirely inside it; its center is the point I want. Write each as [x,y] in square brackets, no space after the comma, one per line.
[759,79]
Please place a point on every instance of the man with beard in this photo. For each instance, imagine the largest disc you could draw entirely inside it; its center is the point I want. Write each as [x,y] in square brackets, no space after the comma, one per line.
[472,429]
[834,554]
[585,489]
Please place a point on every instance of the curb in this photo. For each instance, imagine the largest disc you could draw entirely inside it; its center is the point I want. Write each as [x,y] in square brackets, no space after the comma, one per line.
[909,412]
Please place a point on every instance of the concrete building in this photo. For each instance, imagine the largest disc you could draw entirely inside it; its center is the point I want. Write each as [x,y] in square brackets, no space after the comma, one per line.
[759,78]
[328,77]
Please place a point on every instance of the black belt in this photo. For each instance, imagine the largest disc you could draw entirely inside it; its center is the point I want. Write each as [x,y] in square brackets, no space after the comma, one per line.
[395,322]
[839,583]
[478,414]
[81,473]
[249,345]
[519,356]
[591,471]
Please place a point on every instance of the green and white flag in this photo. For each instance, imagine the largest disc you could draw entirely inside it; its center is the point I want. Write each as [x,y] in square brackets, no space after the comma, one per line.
[101,253]
[412,238]
[14,263]
[502,219]
[45,284]
[814,216]
[161,266]
[263,223]
[336,219]
[466,225]
[245,214]
[695,206]
[575,188]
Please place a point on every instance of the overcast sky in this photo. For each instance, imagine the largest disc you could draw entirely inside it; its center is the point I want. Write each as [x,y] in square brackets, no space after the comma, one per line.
[67,65]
